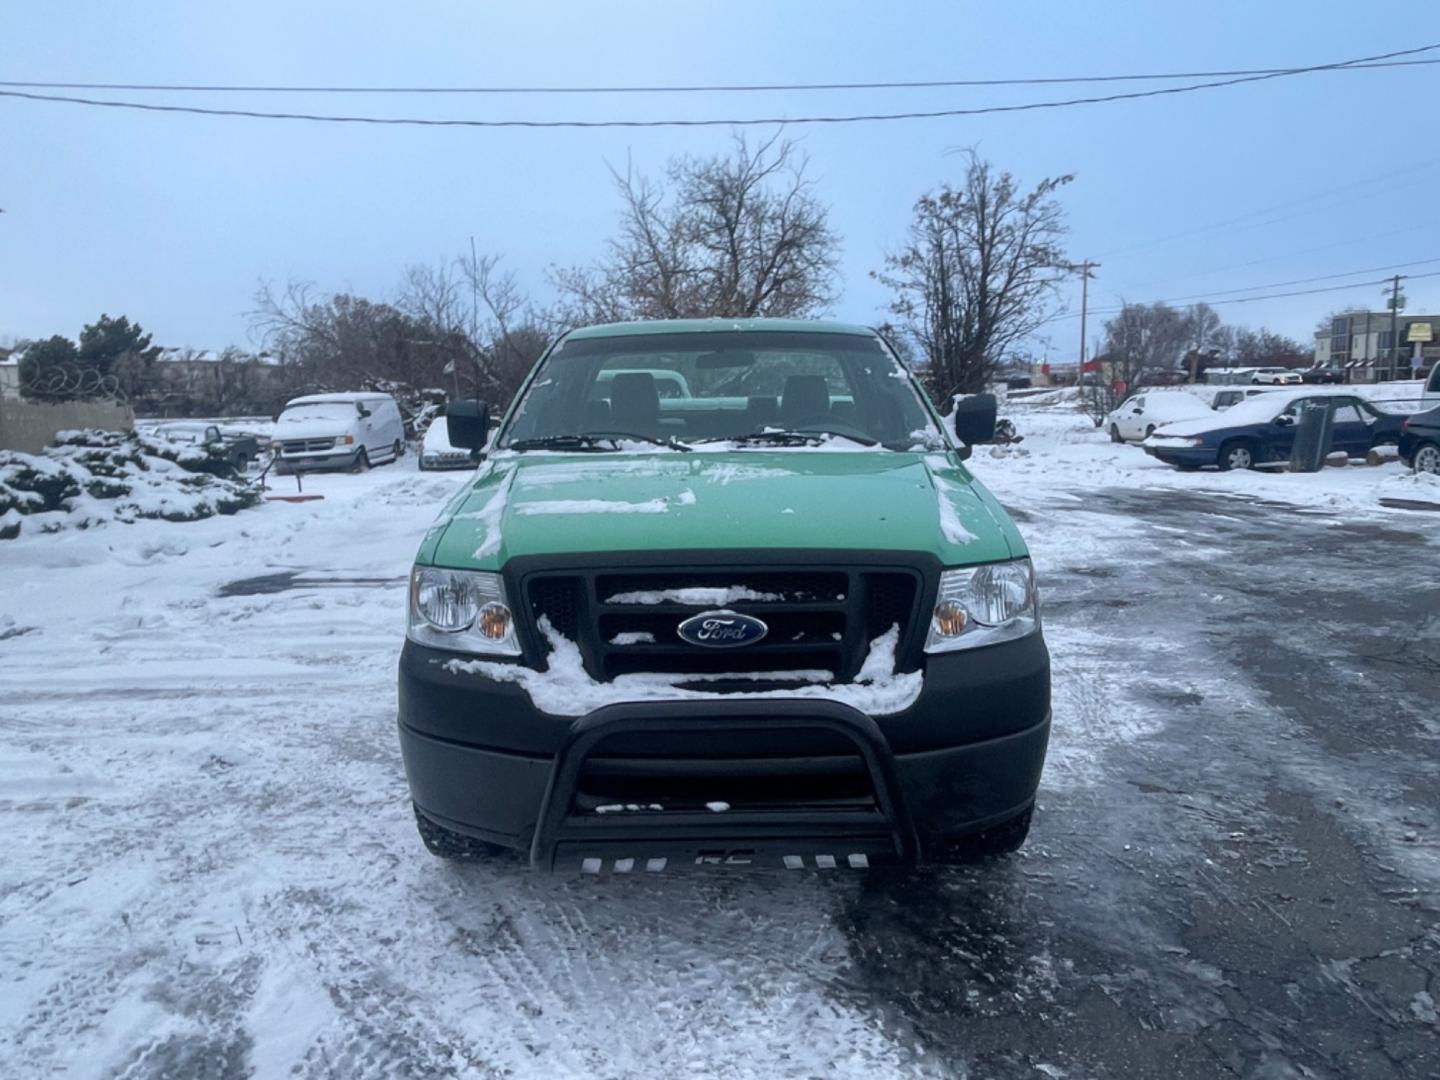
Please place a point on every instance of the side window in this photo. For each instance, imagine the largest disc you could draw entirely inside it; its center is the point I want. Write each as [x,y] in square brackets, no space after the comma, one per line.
[1139,403]
[1347,411]
[1434,386]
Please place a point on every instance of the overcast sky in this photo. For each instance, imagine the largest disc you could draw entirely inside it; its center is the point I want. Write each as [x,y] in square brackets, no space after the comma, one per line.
[174,219]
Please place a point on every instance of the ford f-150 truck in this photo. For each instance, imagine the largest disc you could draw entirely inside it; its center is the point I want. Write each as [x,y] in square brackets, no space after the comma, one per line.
[773,621]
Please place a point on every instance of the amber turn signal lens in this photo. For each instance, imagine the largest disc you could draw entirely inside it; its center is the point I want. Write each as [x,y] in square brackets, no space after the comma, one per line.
[950,618]
[494,621]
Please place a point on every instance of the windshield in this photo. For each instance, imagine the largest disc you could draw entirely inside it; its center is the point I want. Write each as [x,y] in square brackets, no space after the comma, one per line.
[320,410]
[713,387]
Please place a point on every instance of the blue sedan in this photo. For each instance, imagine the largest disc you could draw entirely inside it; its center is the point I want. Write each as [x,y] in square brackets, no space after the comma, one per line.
[1262,429]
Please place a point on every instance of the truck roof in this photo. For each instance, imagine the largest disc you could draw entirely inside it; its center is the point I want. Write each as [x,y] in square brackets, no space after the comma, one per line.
[693,326]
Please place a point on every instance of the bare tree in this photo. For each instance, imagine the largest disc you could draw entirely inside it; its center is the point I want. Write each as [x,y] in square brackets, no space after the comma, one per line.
[1141,339]
[735,235]
[979,274]
[461,325]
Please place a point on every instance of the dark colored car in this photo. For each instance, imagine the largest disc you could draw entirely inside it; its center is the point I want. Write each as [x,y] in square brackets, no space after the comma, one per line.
[1323,375]
[1420,441]
[1261,429]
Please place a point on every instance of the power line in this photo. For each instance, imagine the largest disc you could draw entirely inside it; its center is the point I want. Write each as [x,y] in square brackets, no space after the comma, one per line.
[1299,281]
[1251,299]
[1343,65]
[1244,220]
[717,88]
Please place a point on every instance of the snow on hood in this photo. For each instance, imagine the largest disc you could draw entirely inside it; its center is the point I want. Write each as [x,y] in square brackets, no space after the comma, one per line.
[567,689]
[524,504]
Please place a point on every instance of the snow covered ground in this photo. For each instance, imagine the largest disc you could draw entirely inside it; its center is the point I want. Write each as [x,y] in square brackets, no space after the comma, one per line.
[211,869]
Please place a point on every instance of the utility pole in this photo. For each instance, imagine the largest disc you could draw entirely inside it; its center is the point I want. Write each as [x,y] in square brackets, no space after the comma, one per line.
[1394,324]
[1085,268]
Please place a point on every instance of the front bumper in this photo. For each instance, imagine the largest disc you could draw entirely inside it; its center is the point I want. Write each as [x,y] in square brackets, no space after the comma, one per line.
[1182,455]
[317,462]
[482,761]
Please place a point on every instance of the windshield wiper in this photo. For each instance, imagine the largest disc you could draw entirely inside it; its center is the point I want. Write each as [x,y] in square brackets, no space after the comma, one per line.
[591,442]
[790,438]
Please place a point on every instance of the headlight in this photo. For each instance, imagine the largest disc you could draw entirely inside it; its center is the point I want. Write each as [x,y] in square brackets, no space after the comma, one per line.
[345,440]
[461,610]
[982,605]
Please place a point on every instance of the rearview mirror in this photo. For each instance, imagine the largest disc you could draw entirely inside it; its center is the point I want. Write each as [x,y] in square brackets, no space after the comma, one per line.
[1284,420]
[467,423]
[974,419]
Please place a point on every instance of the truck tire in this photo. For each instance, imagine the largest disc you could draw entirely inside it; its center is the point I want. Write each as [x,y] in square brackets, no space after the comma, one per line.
[452,846]
[1003,839]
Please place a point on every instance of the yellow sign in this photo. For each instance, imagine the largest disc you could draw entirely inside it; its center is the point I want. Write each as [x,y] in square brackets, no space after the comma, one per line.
[1419,331]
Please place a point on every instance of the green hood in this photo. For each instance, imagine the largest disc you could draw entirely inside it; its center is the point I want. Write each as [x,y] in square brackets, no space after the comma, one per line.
[549,504]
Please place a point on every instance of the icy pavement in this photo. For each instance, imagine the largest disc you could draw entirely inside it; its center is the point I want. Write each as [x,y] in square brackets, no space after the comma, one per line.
[210,867]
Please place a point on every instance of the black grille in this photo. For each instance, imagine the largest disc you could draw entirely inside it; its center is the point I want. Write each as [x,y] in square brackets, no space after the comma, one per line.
[558,600]
[307,446]
[820,621]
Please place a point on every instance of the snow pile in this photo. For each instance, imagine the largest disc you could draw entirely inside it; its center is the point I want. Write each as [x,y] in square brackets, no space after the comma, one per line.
[594,506]
[95,477]
[950,523]
[567,689]
[695,596]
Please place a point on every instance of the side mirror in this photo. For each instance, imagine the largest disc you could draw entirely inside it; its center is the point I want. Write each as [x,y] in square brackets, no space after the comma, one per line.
[974,419]
[1284,420]
[467,423]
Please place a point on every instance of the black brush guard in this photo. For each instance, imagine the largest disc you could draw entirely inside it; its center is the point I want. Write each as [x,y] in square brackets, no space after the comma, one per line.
[800,836]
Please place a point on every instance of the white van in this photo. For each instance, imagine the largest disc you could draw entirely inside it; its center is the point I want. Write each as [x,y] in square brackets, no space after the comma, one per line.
[339,431]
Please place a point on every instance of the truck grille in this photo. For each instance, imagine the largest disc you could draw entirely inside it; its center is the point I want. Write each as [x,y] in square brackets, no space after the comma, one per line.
[820,620]
[307,446]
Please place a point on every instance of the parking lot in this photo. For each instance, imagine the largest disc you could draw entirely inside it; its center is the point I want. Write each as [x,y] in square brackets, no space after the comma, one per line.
[1235,870]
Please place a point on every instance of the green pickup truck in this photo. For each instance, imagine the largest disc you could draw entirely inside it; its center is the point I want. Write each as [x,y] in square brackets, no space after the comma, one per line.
[771,621]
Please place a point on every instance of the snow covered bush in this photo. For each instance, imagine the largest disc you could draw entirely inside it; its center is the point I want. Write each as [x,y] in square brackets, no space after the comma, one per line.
[92,477]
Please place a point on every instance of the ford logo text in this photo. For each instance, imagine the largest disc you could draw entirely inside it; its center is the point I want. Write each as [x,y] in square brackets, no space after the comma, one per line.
[721,629]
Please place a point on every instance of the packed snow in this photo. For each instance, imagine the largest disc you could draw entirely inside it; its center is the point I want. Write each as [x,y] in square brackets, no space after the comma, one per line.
[567,689]
[695,596]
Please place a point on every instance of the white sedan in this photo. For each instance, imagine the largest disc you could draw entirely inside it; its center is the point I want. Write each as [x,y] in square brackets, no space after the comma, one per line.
[1276,376]
[1139,416]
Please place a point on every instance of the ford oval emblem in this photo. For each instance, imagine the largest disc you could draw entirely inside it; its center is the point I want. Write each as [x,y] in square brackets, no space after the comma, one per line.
[721,629]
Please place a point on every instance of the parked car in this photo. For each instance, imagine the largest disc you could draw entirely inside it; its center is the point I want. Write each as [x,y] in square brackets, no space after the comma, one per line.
[338,431]
[241,447]
[1262,429]
[1322,376]
[1431,393]
[619,658]
[437,452]
[1275,376]
[1420,441]
[1225,396]
[1138,417]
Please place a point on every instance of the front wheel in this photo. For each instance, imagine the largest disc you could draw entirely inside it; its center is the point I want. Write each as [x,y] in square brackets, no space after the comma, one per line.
[1002,839]
[362,461]
[1427,458]
[1115,434]
[399,449]
[1149,430]
[1236,455]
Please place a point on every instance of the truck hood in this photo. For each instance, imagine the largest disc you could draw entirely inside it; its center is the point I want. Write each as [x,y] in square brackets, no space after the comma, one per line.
[310,428]
[551,504]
